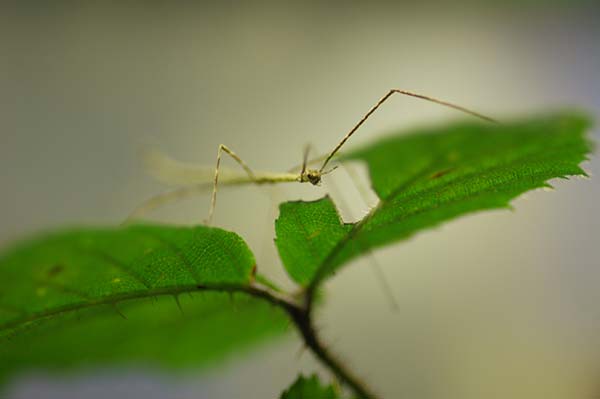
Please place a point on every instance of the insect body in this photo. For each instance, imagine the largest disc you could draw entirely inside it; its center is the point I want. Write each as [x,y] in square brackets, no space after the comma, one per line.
[198,179]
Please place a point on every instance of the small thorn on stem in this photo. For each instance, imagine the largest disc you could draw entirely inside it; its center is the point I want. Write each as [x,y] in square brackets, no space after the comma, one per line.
[119,311]
[176,298]
[301,351]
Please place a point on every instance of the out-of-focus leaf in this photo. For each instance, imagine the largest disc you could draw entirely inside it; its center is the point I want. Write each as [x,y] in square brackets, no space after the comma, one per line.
[139,295]
[310,388]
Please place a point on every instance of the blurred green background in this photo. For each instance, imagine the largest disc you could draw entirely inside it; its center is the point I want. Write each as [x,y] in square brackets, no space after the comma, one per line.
[495,305]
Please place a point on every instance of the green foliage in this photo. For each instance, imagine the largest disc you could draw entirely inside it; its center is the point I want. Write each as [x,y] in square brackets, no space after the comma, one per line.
[306,235]
[310,388]
[179,296]
[106,296]
[428,177]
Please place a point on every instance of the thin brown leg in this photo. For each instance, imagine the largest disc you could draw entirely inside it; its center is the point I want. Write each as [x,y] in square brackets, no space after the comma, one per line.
[384,99]
[213,200]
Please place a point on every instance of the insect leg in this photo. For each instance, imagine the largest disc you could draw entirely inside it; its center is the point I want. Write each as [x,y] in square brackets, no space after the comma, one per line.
[213,200]
[384,99]
[377,269]
[369,255]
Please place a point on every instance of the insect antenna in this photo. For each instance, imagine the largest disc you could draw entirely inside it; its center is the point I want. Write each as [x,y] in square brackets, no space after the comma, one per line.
[330,170]
[305,158]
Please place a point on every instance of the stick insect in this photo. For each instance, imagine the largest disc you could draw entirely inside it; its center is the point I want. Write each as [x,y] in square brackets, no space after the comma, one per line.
[198,180]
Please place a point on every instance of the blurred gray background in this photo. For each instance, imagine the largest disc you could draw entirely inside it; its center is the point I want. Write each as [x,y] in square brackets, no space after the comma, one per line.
[494,305]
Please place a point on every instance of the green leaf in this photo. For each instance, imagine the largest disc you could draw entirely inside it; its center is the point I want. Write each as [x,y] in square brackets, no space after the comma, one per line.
[427,177]
[147,295]
[310,388]
[306,235]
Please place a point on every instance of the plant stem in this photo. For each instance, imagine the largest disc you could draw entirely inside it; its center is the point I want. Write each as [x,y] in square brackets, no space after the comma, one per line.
[301,316]
[303,322]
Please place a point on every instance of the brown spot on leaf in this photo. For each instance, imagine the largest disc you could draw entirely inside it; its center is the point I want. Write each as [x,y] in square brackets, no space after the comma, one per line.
[55,270]
[441,173]
[314,234]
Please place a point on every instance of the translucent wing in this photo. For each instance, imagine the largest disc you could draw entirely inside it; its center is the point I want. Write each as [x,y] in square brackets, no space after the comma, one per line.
[193,179]
[171,171]
[166,197]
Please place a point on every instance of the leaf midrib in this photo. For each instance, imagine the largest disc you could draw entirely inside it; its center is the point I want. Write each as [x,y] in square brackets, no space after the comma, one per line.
[115,299]
[384,202]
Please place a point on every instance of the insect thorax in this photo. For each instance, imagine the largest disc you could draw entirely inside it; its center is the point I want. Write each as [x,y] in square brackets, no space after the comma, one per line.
[312,176]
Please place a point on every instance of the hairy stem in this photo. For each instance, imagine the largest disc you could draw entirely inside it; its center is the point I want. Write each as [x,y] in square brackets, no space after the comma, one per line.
[303,322]
[301,316]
